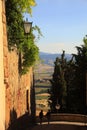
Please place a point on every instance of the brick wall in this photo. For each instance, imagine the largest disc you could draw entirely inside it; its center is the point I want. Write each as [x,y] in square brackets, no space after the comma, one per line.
[13,88]
[2,86]
[16,89]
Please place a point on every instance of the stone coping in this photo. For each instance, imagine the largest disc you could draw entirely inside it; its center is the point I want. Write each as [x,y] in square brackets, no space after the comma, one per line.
[65,117]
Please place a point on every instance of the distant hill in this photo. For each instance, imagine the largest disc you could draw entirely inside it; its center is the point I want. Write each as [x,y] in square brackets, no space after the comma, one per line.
[49,58]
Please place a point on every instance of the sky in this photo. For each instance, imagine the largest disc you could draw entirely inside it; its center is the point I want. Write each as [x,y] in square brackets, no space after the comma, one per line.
[63,24]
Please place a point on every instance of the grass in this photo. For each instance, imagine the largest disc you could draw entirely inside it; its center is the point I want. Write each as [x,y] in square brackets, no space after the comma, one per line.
[43,84]
[41,97]
[40,90]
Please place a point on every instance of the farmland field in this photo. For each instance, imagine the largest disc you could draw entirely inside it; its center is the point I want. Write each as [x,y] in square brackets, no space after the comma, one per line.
[43,73]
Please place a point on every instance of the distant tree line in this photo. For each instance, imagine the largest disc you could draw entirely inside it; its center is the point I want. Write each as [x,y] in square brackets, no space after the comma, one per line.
[69,82]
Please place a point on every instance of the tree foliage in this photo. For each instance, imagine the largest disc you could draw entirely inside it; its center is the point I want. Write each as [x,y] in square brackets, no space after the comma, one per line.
[80,76]
[58,90]
[69,82]
[15,32]
[30,54]
[25,5]
[27,49]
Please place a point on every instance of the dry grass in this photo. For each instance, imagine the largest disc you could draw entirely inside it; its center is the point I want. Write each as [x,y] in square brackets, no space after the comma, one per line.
[43,94]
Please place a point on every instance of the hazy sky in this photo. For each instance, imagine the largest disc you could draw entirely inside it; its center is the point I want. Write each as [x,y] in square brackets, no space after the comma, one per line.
[63,24]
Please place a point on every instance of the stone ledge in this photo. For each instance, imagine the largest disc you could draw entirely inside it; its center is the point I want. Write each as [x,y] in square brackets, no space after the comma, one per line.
[66,117]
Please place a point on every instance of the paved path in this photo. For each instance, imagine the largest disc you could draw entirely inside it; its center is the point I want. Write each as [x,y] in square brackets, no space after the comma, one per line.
[59,126]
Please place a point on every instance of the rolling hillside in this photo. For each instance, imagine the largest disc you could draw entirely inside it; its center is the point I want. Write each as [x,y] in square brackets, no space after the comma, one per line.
[49,58]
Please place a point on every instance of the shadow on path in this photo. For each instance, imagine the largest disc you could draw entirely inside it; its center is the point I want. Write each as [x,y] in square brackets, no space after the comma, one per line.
[57,127]
[21,123]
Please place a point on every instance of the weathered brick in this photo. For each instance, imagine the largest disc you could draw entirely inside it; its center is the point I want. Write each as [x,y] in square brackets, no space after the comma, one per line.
[17,84]
[5,51]
[4,29]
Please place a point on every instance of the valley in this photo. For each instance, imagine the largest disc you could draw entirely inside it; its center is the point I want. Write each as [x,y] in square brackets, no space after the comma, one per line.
[43,73]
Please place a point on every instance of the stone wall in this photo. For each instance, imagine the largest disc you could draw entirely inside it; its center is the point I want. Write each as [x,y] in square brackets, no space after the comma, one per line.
[2,44]
[65,117]
[16,91]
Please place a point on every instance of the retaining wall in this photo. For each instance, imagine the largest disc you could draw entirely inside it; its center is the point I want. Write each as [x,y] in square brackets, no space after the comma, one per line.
[65,117]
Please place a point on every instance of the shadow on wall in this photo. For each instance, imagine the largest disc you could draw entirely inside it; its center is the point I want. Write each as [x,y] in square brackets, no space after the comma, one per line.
[20,123]
[13,115]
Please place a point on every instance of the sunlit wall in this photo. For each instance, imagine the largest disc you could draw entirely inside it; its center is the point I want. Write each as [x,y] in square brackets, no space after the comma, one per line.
[2,87]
